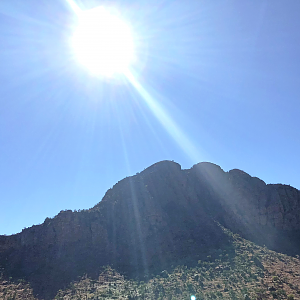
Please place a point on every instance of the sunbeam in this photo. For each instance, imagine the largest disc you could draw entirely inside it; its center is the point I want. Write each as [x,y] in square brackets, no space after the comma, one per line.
[74,7]
[168,123]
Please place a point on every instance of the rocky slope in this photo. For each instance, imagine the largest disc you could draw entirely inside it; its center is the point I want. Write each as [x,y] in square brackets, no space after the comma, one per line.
[148,221]
[241,270]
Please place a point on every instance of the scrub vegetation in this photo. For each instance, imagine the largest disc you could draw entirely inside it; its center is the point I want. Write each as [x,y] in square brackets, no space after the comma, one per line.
[240,271]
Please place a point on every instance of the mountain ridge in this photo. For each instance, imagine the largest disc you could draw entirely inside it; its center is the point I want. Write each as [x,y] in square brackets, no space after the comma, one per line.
[147,221]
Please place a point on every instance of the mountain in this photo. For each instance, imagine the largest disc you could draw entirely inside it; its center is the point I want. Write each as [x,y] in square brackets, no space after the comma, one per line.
[146,223]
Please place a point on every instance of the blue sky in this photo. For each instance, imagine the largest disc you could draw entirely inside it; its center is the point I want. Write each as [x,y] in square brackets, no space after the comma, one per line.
[216,81]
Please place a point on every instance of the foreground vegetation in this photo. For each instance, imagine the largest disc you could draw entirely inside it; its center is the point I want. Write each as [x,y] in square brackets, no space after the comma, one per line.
[241,271]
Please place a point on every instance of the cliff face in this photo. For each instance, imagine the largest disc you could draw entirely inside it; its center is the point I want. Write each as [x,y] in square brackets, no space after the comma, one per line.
[266,214]
[151,220]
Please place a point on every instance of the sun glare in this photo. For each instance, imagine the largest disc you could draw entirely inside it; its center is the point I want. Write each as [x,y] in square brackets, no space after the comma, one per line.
[102,42]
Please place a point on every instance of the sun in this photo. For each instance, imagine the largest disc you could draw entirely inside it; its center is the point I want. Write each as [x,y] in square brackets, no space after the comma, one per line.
[102,42]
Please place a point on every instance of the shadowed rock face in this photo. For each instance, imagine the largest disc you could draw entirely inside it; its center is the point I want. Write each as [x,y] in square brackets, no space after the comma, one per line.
[152,220]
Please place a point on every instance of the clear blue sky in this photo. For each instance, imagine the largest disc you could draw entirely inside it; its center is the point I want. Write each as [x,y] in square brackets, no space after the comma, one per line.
[220,82]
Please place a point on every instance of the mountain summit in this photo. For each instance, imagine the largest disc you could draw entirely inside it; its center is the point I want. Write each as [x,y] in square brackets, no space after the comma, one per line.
[147,222]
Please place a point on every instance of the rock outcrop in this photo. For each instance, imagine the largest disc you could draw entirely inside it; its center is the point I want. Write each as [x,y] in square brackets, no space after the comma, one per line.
[146,222]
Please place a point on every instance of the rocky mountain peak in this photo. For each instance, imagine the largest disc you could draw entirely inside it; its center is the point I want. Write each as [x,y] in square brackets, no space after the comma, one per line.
[150,220]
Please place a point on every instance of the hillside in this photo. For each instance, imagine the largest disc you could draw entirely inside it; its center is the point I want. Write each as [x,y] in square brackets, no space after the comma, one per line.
[146,223]
[241,271]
